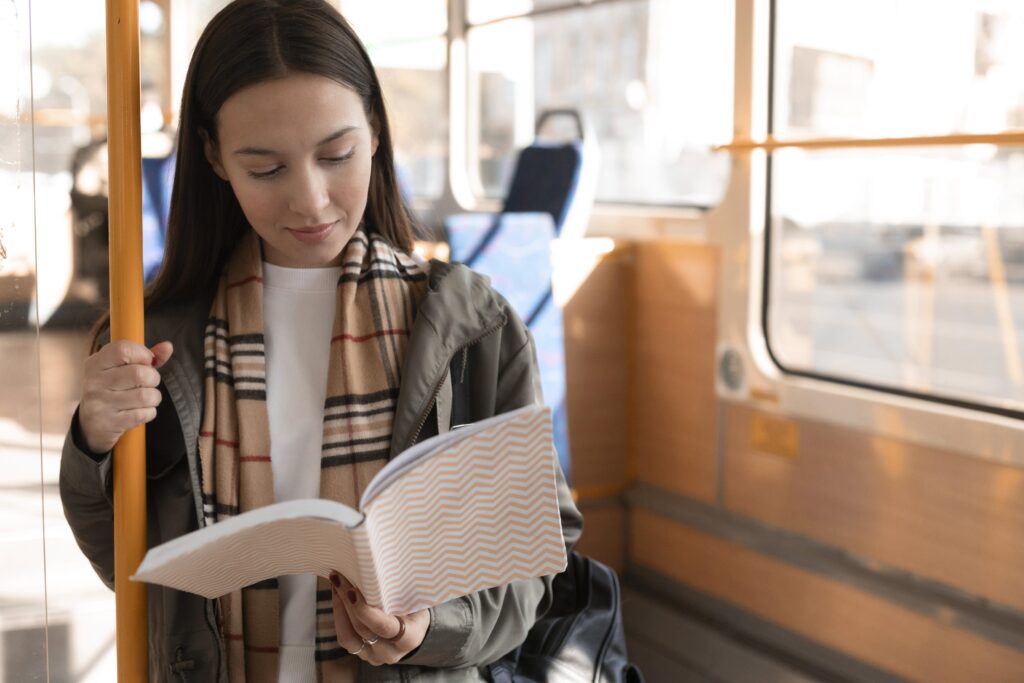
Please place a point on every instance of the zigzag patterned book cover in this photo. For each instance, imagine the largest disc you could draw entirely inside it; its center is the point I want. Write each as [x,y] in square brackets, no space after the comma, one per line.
[466,510]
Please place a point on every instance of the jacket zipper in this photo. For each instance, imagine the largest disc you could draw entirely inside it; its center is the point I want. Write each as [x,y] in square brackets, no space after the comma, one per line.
[437,386]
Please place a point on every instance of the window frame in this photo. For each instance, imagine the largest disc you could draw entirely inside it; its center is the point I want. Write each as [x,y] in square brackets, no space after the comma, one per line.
[470,181]
[734,228]
[766,273]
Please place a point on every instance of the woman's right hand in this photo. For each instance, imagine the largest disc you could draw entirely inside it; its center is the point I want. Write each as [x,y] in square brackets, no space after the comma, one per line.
[119,391]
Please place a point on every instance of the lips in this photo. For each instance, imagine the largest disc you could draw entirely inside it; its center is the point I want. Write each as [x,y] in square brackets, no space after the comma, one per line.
[313,228]
[313,233]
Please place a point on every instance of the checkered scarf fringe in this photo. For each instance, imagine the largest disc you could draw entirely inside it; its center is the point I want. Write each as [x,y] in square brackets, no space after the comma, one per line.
[378,293]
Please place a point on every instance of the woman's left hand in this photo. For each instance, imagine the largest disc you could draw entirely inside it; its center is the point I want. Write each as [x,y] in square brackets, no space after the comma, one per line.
[370,633]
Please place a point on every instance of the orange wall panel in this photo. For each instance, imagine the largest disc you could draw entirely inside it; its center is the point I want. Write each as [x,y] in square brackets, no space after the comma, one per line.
[604,533]
[674,407]
[596,373]
[938,514]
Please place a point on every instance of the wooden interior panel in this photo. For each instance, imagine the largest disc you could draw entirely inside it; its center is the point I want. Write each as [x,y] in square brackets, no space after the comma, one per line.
[674,408]
[596,373]
[604,532]
[833,613]
[953,518]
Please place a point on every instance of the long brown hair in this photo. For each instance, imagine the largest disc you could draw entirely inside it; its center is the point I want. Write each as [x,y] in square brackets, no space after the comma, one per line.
[247,42]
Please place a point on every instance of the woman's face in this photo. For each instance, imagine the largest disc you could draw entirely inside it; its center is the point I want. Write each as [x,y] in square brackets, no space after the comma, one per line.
[297,152]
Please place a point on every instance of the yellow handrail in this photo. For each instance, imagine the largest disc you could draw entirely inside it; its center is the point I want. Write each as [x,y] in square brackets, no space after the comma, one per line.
[771,143]
[126,322]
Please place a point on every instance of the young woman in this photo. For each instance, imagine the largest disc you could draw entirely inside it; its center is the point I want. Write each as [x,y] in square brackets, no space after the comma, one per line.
[293,347]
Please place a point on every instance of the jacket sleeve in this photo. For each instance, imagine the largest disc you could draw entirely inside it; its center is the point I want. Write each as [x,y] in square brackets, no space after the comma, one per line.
[478,629]
[86,487]
[85,492]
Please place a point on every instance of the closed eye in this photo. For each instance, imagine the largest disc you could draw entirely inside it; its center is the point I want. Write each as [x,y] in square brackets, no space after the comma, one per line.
[264,175]
[338,160]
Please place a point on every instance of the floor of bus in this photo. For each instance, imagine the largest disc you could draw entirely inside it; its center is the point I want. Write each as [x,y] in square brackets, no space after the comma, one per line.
[669,644]
[677,634]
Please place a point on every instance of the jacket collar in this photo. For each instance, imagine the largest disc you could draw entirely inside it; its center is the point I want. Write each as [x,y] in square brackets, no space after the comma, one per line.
[458,309]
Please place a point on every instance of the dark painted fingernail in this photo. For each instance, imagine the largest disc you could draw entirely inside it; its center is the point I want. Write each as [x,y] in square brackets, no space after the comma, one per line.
[335,581]
[154,361]
[352,597]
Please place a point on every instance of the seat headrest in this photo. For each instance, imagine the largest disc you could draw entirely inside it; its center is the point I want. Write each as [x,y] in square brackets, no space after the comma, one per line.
[545,180]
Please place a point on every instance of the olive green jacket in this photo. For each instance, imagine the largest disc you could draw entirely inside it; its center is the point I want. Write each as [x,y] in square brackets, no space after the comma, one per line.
[463,327]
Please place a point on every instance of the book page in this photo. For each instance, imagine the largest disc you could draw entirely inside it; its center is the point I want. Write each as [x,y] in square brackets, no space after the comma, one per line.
[481,512]
[294,537]
[411,456]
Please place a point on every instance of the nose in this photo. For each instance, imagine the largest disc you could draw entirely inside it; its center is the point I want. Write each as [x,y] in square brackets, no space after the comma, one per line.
[308,195]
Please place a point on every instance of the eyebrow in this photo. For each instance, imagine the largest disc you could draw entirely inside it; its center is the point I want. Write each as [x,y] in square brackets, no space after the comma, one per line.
[261,151]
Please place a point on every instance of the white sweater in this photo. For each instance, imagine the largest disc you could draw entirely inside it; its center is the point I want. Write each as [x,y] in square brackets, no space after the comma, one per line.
[298,313]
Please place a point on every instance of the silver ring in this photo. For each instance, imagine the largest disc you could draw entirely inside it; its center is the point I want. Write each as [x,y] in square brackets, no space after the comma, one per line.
[371,643]
[355,652]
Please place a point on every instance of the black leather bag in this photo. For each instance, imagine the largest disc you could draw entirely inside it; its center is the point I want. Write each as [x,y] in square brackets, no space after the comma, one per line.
[580,639]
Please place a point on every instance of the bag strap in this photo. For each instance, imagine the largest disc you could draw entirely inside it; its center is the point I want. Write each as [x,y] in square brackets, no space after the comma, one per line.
[443,404]
[453,405]
[462,396]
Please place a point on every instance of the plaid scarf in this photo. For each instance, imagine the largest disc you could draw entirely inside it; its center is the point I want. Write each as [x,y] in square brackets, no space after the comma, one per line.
[378,293]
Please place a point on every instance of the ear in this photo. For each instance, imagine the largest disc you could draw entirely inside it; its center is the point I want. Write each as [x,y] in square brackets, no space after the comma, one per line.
[212,153]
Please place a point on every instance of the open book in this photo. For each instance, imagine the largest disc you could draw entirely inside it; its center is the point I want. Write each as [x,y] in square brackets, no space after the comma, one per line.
[466,510]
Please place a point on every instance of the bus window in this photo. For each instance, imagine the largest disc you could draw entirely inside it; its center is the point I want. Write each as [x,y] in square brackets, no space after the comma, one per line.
[407,44]
[653,77]
[25,628]
[899,267]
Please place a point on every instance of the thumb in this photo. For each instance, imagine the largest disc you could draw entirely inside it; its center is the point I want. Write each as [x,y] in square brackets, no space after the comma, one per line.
[161,353]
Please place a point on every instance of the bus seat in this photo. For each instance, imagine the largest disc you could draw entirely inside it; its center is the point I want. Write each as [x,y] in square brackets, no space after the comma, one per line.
[551,195]
[157,180]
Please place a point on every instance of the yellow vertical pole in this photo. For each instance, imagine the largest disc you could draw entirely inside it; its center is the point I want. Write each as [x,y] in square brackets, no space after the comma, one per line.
[125,160]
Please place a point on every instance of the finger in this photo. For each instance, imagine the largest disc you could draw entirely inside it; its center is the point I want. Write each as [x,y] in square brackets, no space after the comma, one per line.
[162,353]
[122,352]
[348,595]
[127,419]
[349,599]
[125,377]
[130,399]
[366,617]
[347,637]
[386,652]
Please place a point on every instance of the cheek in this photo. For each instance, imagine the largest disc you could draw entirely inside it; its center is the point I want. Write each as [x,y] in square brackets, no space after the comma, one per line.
[351,189]
[257,202]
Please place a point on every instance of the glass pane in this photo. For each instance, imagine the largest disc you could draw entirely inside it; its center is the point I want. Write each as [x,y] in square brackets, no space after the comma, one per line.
[654,79]
[388,21]
[898,67]
[44,346]
[408,48]
[22,572]
[69,63]
[479,11]
[902,268]
[156,97]
[196,15]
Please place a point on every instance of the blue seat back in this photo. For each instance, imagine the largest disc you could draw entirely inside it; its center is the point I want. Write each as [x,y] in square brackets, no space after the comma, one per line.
[545,179]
